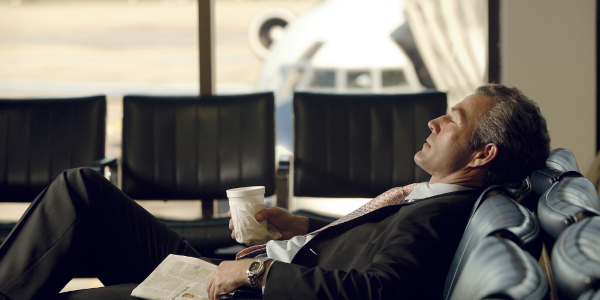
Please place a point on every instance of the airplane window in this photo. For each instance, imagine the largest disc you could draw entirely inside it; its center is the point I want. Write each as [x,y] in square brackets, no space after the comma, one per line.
[358,79]
[393,78]
[323,79]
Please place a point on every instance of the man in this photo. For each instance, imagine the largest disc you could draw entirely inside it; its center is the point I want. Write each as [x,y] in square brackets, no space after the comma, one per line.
[494,136]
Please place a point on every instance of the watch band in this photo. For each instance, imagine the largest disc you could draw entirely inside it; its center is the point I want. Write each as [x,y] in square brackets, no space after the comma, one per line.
[253,274]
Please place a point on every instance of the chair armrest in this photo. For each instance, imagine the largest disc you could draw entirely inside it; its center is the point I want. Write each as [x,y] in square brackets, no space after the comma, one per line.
[283,168]
[282,181]
[108,167]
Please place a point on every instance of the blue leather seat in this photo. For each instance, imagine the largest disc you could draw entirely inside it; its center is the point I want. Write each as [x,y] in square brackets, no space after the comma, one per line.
[565,197]
[590,295]
[576,258]
[498,269]
[561,163]
[495,213]
[567,202]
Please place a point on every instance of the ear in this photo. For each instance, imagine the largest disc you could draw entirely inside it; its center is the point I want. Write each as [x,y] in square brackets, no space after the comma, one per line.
[484,155]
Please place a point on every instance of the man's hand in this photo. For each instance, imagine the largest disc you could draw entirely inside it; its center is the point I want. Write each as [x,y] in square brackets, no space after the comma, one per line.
[287,224]
[228,276]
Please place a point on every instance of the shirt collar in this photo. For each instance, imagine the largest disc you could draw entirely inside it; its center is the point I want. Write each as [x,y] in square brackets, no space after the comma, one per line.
[425,189]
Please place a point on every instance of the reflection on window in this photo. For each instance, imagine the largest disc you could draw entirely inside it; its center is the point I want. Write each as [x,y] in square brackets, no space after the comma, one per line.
[358,79]
[323,79]
[393,78]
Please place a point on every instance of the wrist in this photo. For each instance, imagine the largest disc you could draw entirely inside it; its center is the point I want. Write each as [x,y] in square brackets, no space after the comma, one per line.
[262,277]
[255,270]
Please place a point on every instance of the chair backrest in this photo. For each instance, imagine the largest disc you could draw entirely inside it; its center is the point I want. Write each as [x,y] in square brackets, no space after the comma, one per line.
[39,138]
[357,146]
[590,295]
[566,202]
[563,160]
[495,213]
[499,269]
[191,147]
[576,258]
[561,163]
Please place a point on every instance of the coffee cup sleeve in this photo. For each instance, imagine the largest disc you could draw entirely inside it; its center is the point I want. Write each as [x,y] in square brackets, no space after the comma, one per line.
[248,230]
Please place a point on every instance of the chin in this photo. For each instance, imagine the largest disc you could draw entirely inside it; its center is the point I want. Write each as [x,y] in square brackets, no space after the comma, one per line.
[417,158]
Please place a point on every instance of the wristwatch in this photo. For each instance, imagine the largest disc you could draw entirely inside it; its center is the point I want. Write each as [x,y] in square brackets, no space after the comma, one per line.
[255,269]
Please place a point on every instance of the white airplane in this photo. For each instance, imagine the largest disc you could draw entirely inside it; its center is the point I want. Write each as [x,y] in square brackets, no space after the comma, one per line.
[340,46]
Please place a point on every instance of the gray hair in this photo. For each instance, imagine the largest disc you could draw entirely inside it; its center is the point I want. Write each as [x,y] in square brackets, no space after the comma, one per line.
[516,125]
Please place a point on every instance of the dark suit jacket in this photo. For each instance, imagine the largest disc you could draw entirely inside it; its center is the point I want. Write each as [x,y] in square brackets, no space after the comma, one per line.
[397,252]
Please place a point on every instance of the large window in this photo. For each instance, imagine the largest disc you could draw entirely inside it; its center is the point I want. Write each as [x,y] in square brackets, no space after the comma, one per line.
[75,48]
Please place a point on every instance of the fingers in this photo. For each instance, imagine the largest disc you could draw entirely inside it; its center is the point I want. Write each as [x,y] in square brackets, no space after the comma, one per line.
[271,212]
[226,277]
[210,284]
[263,214]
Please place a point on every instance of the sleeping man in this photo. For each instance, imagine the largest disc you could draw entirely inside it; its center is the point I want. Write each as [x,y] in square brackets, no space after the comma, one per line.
[399,245]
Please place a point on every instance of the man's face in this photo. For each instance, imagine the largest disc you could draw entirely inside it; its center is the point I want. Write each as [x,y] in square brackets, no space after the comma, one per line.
[445,151]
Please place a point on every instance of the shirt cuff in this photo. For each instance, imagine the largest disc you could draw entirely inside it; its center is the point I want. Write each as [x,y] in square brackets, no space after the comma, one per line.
[264,281]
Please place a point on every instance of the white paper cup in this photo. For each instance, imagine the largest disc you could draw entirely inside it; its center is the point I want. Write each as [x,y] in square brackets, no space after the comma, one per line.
[244,203]
[251,194]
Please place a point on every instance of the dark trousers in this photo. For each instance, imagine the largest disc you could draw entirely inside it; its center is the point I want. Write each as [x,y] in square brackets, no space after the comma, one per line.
[83,224]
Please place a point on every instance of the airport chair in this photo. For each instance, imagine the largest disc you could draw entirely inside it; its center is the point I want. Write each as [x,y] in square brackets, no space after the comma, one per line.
[494,214]
[561,163]
[498,269]
[351,148]
[567,202]
[564,197]
[590,295]
[195,148]
[576,260]
[40,138]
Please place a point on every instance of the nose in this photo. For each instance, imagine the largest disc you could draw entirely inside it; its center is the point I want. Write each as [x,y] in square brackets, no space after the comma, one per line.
[434,125]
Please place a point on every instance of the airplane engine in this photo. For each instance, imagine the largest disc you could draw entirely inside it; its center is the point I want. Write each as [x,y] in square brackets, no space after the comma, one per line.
[266,27]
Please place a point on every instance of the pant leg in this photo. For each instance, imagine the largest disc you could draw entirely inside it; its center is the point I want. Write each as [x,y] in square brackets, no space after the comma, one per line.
[114,292]
[83,222]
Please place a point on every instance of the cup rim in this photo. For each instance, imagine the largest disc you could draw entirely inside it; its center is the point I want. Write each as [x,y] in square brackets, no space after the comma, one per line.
[246,191]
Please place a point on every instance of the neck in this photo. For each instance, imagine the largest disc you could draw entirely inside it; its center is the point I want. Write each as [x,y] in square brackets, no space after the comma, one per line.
[470,178]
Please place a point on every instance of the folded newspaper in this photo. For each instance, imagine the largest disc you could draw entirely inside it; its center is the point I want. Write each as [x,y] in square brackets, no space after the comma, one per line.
[176,278]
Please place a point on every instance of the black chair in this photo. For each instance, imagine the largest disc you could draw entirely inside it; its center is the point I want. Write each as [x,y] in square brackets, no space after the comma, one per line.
[576,259]
[494,214]
[195,148]
[40,138]
[498,269]
[357,146]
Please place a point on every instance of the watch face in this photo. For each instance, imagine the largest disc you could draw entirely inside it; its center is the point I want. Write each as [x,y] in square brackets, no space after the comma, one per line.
[254,267]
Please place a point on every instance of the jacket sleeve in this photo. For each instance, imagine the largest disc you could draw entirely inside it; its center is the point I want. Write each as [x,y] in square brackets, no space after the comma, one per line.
[414,258]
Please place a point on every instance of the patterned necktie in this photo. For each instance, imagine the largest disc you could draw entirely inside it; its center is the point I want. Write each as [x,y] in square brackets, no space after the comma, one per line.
[391,197]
